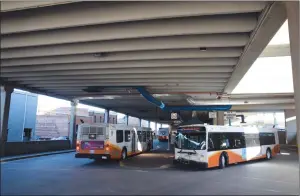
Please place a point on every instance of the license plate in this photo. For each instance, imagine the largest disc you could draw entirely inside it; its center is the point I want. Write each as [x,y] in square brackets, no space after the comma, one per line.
[92,151]
[104,157]
[92,145]
[92,136]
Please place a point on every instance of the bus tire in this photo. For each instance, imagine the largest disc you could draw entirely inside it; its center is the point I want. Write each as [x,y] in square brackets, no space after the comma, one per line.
[268,154]
[124,154]
[222,161]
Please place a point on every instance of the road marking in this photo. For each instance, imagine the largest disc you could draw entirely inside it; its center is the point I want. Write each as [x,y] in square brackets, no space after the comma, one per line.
[165,166]
[141,171]
[277,181]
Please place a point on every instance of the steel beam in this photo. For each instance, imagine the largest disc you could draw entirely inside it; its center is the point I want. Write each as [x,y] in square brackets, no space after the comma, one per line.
[145,76]
[215,69]
[152,84]
[156,43]
[125,56]
[92,13]
[157,64]
[139,29]
[8,6]
[121,81]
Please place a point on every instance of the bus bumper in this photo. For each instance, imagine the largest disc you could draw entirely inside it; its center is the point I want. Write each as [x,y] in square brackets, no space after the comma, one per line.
[189,162]
[93,156]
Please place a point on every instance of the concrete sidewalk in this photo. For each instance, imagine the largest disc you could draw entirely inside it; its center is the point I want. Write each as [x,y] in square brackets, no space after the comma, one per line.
[26,156]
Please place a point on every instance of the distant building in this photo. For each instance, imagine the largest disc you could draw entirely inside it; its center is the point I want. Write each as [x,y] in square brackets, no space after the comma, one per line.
[55,123]
[22,116]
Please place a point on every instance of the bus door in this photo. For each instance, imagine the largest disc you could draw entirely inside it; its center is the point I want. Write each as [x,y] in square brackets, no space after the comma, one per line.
[133,141]
[128,140]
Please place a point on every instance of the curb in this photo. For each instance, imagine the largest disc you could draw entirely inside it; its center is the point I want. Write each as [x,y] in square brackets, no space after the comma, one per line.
[34,155]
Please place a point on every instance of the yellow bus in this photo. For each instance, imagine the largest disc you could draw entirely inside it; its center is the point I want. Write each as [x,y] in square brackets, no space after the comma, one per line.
[112,141]
[219,146]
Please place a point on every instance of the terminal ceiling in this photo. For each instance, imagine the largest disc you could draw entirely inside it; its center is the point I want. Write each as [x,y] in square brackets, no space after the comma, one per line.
[181,52]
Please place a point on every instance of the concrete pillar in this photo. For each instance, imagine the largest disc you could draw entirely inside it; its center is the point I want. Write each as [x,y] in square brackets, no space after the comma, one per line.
[73,127]
[220,118]
[160,125]
[291,127]
[140,122]
[155,128]
[293,23]
[5,106]
[149,123]
[215,120]
[127,119]
[106,116]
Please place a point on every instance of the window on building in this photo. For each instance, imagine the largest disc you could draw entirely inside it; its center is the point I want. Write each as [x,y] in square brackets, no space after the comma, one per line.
[127,136]
[120,136]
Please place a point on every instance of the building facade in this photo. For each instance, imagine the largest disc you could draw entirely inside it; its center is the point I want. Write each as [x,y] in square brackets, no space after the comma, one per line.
[22,116]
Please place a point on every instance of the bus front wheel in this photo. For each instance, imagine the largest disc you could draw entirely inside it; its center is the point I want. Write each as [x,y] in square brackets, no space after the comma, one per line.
[268,154]
[124,154]
[222,161]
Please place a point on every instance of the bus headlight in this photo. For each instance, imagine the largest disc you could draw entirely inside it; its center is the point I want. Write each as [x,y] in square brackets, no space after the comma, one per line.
[202,158]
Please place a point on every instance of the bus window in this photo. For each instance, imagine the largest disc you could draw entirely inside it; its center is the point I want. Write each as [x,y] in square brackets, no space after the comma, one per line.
[252,140]
[127,136]
[194,141]
[210,144]
[236,140]
[267,138]
[119,136]
[144,136]
[148,135]
[224,141]
[139,135]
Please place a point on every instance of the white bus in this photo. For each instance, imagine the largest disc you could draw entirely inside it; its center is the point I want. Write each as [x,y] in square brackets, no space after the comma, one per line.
[112,141]
[163,134]
[219,146]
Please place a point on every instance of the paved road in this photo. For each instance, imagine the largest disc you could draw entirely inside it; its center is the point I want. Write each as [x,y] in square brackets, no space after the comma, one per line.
[63,174]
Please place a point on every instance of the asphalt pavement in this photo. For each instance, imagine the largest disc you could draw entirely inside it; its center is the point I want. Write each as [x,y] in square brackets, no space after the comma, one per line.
[62,174]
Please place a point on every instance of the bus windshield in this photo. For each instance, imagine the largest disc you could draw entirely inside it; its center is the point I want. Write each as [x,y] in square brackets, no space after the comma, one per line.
[191,141]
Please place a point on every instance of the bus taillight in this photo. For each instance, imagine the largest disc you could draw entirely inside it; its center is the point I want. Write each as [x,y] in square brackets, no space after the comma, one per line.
[107,147]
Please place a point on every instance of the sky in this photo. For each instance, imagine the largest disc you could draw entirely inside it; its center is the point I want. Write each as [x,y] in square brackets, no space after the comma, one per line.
[269,74]
[266,75]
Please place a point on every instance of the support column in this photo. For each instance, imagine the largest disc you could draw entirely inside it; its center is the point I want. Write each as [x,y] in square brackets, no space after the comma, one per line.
[215,120]
[73,127]
[160,125]
[149,123]
[5,106]
[6,92]
[293,23]
[127,119]
[155,128]
[106,116]
[140,122]
[220,118]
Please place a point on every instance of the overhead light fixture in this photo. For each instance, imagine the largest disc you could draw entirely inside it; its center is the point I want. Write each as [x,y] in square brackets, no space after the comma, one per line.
[100,54]
[203,48]
[160,95]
